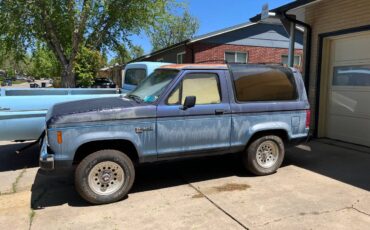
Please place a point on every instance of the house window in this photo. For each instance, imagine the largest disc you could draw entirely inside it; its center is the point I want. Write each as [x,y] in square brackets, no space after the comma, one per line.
[297,60]
[236,57]
[180,58]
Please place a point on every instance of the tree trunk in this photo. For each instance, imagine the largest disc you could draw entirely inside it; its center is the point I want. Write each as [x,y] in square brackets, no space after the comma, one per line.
[68,77]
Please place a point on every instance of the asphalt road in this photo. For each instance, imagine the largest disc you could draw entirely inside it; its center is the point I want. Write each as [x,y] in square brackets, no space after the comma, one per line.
[320,186]
[27,85]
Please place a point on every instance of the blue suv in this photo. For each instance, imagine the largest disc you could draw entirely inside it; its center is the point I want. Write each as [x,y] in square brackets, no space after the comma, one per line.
[180,111]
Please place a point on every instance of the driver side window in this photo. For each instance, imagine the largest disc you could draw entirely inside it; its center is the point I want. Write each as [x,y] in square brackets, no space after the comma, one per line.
[204,86]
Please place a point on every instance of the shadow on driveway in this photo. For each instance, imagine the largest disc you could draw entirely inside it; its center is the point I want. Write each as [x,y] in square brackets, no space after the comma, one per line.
[9,160]
[339,163]
[56,188]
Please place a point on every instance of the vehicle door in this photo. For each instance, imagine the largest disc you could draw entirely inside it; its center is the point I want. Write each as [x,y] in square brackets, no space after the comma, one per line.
[202,128]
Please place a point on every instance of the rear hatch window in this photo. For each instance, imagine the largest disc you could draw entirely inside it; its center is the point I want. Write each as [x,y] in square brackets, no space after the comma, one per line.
[263,83]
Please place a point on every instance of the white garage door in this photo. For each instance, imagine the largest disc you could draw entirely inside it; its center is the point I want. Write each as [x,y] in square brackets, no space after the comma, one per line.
[348,117]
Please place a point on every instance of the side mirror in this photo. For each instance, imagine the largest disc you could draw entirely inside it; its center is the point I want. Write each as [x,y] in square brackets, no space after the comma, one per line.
[189,102]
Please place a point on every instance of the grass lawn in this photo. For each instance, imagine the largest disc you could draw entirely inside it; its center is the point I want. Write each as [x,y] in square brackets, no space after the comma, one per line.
[14,82]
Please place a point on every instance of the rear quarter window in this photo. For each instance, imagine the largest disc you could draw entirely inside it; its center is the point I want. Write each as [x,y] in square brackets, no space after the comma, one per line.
[264,84]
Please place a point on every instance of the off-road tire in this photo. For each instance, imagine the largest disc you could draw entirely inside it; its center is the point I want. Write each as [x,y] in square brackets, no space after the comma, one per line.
[250,161]
[87,164]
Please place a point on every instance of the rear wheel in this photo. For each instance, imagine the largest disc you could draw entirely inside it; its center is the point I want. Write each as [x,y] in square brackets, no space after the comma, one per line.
[104,176]
[264,155]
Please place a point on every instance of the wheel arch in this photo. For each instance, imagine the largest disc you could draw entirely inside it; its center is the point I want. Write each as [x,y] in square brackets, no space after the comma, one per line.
[282,133]
[122,145]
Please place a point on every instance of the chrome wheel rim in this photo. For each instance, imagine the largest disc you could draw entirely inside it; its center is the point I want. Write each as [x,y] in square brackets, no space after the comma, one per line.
[267,154]
[106,178]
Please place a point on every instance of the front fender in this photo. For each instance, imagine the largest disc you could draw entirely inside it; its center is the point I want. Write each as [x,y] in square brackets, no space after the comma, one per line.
[145,143]
[104,136]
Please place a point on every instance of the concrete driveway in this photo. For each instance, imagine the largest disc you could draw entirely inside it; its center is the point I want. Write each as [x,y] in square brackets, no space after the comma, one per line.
[324,185]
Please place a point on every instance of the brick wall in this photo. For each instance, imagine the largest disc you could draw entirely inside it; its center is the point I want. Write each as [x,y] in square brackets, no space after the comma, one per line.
[207,52]
[215,53]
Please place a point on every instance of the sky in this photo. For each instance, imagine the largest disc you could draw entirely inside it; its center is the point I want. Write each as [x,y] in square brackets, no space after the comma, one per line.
[218,14]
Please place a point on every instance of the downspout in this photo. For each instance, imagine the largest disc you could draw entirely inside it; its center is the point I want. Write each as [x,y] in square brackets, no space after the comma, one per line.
[307,58]
[291,45]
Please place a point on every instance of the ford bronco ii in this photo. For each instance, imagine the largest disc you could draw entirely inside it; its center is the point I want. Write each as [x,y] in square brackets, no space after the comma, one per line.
[179,111]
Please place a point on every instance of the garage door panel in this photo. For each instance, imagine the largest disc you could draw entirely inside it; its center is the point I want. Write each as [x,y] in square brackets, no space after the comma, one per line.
[353,48]
[355,130]
[350,103]
[348,115]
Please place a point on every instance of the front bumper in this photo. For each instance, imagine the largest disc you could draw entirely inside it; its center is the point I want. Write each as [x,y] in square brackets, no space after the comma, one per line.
[46,160]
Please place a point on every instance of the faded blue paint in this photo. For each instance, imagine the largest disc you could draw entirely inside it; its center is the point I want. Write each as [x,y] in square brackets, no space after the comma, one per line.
[24,117]
[144,142]
[172,132]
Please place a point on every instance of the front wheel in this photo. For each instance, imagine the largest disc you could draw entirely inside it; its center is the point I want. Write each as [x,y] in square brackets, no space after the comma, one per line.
[105,176]
[264,155]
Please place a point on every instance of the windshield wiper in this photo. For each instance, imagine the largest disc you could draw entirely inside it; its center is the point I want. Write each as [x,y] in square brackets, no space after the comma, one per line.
[135,98]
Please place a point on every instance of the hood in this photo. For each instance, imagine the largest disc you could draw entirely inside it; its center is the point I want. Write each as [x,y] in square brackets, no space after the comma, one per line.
[98,109]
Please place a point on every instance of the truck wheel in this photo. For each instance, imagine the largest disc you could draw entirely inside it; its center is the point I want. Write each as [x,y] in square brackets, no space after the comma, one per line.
[105,176]
[264,155]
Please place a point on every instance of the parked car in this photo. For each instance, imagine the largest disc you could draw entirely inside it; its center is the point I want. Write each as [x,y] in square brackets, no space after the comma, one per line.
[34,85]
[103,83]
[180,111]
[22,111]
[9,82]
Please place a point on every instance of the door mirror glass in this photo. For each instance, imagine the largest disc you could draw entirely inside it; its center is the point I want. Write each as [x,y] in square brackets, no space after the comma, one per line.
[189,102]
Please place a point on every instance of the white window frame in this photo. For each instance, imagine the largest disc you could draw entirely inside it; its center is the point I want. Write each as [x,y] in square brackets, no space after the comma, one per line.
[295,55]
[182,55]
[236,54]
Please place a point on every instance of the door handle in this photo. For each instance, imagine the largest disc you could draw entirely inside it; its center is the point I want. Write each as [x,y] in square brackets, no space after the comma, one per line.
[219,111]
[4,109]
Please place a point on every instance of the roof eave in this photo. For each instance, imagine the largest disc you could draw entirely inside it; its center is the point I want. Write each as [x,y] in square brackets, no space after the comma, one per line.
[284,8]
[227,30]
[161,50]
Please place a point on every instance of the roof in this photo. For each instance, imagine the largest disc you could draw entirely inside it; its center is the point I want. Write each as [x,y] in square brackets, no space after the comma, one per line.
[203,37]
[285,8]
[222,31]
[195,66]
[161,50]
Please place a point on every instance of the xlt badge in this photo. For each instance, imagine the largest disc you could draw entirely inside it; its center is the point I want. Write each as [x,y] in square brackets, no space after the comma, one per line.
[140,130]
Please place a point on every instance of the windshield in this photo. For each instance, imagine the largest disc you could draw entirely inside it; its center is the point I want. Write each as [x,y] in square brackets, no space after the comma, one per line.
[152,87]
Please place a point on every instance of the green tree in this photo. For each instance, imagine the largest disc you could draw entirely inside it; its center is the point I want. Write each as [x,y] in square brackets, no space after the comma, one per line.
[12,65]
[125,55]
[136,51]
[88,62]
[66,26]
[43,63]
[176,29]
